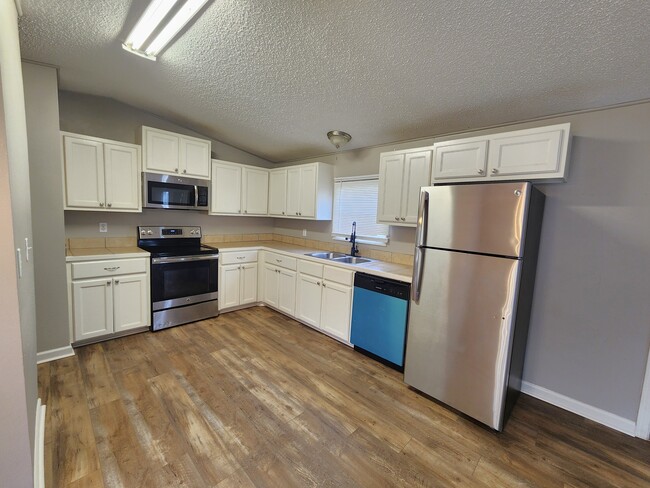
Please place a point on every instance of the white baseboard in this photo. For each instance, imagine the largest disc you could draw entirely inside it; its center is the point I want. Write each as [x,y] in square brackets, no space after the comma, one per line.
[39,446]
[52,354]
[592,413]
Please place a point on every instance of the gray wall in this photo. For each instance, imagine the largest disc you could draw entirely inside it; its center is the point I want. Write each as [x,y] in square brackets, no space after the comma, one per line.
[42,109]
[18,382]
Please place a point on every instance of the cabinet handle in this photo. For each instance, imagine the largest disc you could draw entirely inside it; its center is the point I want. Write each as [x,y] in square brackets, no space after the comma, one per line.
[402,218]
[239,267]
[299,213]
[282,213]
[101,204]
[184,171]
[109,204]
[176,170]
[241,257]
[296,213]
[480,171]
[318,283]
[494,171]
[245,211]
[324,284]
[108,283]
[396,218]
[117,282]
[114,268]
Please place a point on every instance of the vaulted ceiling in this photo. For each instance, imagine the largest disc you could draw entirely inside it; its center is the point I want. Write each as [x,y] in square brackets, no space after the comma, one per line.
[272,77]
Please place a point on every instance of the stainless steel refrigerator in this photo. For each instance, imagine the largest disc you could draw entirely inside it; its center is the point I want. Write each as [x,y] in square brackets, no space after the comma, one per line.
[471,296]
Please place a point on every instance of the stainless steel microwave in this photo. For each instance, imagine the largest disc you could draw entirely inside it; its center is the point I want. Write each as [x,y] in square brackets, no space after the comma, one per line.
[176,192]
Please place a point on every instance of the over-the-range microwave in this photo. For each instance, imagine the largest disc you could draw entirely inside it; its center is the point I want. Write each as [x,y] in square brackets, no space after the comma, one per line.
[175,192]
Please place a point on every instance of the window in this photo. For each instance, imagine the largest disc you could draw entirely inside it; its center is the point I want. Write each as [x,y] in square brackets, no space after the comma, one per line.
[355,200]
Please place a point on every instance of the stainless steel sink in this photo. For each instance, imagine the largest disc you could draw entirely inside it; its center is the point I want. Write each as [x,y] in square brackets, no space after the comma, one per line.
[351,260]
[326,255]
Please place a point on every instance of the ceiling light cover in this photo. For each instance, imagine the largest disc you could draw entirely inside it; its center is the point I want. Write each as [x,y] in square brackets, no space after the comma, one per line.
[338,138]
[179,20]
[152,16]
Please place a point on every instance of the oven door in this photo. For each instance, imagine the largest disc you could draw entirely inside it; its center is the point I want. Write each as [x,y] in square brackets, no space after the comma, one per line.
[183,280]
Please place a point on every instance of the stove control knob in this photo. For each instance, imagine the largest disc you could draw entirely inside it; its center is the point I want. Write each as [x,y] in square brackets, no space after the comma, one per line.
[149,232]
[192,232]
[143,232]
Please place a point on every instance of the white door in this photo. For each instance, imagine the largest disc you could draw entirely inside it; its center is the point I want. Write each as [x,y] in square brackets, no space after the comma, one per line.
[308,176]
[255,191]
[248,285]
[84,173]
[225,197]
[161,151]
[278,192]
[336,310]
[465,158]
[271,285]
[528,152]
[293,192]
[122,170]
[130,302]
[309,299]
[391,177]
[229,286]
[92,302]
[417,173]
[287,291]
[195,157]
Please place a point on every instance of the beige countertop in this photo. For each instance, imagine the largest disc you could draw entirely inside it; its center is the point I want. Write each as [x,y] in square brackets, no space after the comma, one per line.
[85,254]
[384,269]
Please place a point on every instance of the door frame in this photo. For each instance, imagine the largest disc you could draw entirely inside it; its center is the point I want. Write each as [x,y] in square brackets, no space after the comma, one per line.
[643,417]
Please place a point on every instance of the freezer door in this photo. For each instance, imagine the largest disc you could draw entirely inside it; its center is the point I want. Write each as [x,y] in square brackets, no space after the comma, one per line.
[486,218]
[460,332]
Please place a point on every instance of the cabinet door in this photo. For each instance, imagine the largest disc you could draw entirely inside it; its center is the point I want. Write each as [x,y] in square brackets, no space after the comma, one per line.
[278,192]
[229,286]
[271,284]
[309,299]
[293,192]
[529,152]
[92,302]
[195,157]
[417,173]
[225,197]
[130,302]
[255,191]
[460,159]
[122,170]
[308,175]
[161,151]
[336,310]
[84,173]
[287,292]
[248,285]
[391,177]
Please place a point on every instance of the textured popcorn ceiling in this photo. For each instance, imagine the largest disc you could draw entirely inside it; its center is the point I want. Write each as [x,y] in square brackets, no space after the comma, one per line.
[272,77]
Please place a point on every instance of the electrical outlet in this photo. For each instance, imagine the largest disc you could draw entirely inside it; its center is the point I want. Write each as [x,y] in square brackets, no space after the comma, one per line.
[103,227]
[304,232]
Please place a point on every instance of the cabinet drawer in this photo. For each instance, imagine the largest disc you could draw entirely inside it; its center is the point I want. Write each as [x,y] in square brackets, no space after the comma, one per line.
[338,275]
[238,257]
[281,261]
[307,267]
[112,267]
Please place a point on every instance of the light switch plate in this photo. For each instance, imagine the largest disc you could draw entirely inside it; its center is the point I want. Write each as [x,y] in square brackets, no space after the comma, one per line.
[304,232]
[103,227]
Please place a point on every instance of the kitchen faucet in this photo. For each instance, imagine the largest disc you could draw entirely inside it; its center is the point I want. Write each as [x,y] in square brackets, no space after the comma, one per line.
[353,240]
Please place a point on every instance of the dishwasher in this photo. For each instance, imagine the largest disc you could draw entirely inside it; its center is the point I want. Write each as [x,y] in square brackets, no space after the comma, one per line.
[379,317]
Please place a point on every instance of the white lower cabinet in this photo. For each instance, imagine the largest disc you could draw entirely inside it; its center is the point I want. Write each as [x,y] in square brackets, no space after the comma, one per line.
[237,279]
[105,302]
[280,288]
[324,298]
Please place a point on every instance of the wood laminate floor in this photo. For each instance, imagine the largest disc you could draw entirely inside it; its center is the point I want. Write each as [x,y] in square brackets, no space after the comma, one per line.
[255,399]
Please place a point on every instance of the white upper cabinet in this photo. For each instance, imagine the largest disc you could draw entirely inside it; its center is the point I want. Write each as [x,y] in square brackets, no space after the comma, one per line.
[531,154]
[170,153]
[255,190]
[238,189]
[401,175]
[278,192]
[302,192]
[101,175]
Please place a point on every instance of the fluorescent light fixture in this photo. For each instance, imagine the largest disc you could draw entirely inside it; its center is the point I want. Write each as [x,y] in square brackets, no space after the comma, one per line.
[155,13]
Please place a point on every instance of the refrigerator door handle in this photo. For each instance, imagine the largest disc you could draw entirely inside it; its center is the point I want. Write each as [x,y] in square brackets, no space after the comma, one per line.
[420,237]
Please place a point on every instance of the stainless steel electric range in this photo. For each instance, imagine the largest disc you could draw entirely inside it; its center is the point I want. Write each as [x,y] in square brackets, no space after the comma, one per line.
[184,275]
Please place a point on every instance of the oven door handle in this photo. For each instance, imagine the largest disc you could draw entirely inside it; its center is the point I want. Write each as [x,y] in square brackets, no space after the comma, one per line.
[184,259]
